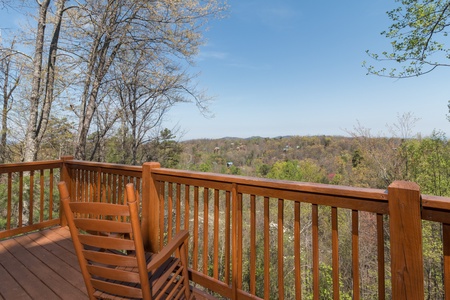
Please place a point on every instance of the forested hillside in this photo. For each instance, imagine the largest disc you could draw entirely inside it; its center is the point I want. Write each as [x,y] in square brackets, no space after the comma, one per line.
[353,161]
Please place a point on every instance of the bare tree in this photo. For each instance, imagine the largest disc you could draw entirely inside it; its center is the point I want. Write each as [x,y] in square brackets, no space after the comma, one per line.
[147,89]
[404,127]
[93,41]
[4,3]
[10,75]
[40,103]
[107,31]
[384,158]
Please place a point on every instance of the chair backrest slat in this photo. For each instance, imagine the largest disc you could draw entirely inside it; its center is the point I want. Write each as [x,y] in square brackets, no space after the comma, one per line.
[113,274]
[110,243]
[110,258]
[99,208]
[107,226]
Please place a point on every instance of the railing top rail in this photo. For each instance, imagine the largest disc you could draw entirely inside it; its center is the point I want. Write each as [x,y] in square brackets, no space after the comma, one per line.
[305,187]
[108,166]
[29,166]
[436,202]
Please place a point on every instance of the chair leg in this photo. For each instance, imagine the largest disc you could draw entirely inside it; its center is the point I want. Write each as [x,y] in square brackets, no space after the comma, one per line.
[183,257]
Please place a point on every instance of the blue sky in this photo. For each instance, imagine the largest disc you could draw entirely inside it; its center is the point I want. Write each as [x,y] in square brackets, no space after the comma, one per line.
[295,68]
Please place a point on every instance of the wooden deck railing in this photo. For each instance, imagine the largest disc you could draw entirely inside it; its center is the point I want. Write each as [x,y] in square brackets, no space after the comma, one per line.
[28,192]
[255,238]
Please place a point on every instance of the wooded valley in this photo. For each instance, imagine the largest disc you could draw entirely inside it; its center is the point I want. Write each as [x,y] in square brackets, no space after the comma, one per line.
[352,161]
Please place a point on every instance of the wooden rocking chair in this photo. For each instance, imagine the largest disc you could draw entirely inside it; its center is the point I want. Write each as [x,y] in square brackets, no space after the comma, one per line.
[108,243]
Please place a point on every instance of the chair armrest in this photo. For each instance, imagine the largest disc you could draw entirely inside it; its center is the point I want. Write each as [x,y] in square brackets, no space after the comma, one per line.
[166,252]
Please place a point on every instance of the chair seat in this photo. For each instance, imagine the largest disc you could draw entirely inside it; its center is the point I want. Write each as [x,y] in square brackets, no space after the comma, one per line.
[157,279]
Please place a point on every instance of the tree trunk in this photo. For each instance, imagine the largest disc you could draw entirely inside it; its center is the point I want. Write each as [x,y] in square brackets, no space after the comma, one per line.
[51,73]
[40,111]
[85,122]
[7,65]
[4,128]
[30,151]
[91,91]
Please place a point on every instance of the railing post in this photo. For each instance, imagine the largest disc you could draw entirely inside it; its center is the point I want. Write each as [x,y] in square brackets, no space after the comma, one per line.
[150,208]
[406,240]
[64,176]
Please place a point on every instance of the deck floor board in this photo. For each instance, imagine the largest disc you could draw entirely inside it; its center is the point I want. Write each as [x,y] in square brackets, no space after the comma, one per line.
[40,265]
[10,289]
[64,264]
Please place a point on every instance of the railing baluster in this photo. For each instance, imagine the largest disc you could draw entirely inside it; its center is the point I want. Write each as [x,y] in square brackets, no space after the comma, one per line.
[187,208]
[126,180]
[178,207]
[266,249]
[315,250]
[93,186]
[227,273]
[41,196]
[50,204]
[30,220]
[297,249]
[88,194]
[335,251]
[109,188]
[78,184]
[20,199]
[239,240]
[216,234]
[169,210]
[114,189]
[9,200]
[280,249]
[99,184]
[380,250]
[102,189]
[195,240]
[253,251]
[138,191]
[355,254]
[84,185]
[120,190]
[162,188]
[205,229]
[90,185]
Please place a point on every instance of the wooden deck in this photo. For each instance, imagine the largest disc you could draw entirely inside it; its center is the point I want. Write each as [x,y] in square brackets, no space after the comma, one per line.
[43,265]
[40,265]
